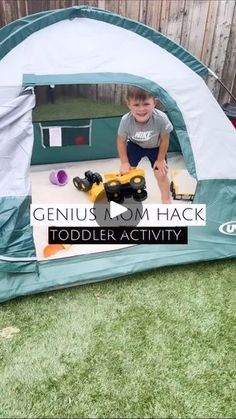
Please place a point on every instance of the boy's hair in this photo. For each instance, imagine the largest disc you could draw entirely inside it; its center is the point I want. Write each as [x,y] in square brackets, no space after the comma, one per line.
[137,94]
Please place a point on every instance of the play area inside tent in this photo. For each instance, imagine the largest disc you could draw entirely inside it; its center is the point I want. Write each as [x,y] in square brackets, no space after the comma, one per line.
[40,160]
[67,151]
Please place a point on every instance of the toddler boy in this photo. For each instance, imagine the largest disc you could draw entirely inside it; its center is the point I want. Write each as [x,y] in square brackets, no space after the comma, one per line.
[145,131]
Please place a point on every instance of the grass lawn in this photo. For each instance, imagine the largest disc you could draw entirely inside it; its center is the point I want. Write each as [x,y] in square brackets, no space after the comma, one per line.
[73,108]
[157,344]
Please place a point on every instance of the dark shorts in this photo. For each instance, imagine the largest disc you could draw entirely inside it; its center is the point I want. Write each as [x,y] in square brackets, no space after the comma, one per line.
[136,153]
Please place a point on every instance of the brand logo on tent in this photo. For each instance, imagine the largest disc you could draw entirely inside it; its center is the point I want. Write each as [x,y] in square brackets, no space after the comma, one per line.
[228,228]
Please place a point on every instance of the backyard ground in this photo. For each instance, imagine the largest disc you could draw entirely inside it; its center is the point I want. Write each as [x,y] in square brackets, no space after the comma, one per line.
[153,345]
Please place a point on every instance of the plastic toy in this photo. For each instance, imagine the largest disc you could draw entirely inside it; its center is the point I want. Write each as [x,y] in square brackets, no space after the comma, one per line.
[52,249]
[91,183]
[119,186]
[182,185]
[59,177]
[115,186]
[87,182]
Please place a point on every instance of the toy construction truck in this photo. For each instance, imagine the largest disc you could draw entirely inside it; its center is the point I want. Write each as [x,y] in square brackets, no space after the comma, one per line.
[182,185]
[115,187]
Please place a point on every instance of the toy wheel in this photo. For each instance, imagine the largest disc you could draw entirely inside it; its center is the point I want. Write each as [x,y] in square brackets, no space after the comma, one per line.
[140,195]
[89,175]
[113,191]
[137,182]
[171,186]
[97,178]
[113,186]
[116,197]
[173,193]
[93,177]
[127,190]
[82,184]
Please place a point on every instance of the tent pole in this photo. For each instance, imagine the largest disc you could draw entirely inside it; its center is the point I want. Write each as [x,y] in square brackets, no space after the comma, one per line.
[222,84]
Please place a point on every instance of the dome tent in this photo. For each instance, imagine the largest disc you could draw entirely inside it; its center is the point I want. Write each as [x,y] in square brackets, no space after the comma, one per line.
[68,46]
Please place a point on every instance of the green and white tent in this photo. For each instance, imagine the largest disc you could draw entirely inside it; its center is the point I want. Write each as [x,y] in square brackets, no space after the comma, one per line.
[83,45]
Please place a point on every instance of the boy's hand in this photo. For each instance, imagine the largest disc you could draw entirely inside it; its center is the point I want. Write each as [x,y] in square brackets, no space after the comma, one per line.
[162,166]
[124,168]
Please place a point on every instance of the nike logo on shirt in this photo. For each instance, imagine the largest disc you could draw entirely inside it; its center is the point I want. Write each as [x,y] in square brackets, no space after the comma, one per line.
[142,135]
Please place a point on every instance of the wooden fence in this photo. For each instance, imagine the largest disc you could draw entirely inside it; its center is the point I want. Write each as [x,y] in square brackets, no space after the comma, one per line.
[206,28]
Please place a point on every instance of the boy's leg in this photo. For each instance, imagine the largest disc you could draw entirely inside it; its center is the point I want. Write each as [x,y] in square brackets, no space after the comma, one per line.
[162,180]
[164,185]
[134,153]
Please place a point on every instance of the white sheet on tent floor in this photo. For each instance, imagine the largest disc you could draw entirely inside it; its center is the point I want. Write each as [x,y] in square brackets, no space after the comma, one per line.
[43,192]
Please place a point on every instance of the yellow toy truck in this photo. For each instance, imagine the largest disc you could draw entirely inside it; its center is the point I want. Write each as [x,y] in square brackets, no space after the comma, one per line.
[115,187]
[182,185]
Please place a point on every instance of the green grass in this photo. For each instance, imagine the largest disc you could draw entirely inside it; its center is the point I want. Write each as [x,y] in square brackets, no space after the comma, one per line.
[157,344]
[73,108]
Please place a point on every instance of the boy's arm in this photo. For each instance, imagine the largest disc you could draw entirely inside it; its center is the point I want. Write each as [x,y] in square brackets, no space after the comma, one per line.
[160,163]
[122,151]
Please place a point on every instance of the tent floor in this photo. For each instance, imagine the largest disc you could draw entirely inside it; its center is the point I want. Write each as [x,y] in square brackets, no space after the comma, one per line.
[43,192]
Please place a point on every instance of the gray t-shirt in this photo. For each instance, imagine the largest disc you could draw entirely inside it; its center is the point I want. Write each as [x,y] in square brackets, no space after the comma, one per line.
[147,135]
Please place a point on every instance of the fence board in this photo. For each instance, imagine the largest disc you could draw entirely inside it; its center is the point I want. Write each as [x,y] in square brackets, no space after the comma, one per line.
[132,9]
[165,10]
[197,27]
[22,8]
[229,71]
[35,6]
[142,11]
[221,38]
[209,32]
[101,4]
[207,28]
[7,12]
[3,21]
[112,5]
[187,23]
[175,20]
[122,8]
[154,14]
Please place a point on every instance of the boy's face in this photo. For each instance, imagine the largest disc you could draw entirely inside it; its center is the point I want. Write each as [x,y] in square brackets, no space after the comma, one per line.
[141,109]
